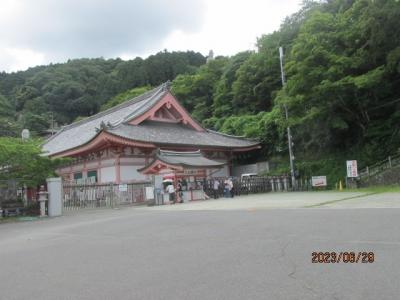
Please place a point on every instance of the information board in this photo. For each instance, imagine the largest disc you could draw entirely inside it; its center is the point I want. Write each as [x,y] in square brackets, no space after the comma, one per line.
[317,181]
[352,170]
[123,187]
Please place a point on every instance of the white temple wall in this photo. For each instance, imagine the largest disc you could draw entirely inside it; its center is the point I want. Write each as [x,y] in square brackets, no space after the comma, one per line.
[108,174]
[92,165]
[108,166]
[108,162]
[138,161]
[130,173]
[77,168]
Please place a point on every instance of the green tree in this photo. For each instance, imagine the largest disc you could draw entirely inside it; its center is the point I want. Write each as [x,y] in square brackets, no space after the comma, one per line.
[196,91]
[223,104]
[8,125]
[339,82]
[128,95]
[23,160]
[79,87]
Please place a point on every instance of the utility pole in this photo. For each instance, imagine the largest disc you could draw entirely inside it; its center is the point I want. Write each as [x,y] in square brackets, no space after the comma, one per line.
[52,123]
[291,156]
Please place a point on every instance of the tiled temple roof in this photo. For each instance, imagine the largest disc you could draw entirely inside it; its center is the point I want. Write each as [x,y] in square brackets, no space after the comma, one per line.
[115,121]
[187,159]
[164,134]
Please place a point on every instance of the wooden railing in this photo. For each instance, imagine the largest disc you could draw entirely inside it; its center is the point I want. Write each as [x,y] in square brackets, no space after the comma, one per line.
[390,162]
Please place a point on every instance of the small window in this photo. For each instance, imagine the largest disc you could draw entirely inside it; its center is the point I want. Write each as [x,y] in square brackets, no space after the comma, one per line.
[92,176]
[78,175]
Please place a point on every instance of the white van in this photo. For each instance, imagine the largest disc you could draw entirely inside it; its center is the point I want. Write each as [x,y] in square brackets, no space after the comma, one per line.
[245,179]
[248,176]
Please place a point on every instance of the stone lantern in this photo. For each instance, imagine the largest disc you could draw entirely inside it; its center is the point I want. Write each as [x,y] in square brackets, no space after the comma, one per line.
[42,200]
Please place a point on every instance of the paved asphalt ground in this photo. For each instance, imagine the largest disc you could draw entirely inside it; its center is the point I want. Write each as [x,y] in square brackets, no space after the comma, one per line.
[195,251]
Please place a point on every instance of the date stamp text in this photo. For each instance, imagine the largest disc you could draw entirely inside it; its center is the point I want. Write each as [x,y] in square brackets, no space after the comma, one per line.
[342,257]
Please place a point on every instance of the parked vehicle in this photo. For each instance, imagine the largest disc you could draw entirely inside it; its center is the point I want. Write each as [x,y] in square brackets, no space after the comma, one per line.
[245,178]
[248,176]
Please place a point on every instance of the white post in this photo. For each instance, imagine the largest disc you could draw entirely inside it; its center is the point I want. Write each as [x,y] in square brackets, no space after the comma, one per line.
[25,195]
[272,185]
[285,184]
[54,187]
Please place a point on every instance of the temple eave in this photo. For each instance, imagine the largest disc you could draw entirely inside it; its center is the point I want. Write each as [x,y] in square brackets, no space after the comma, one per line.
[101,141]
[105,139]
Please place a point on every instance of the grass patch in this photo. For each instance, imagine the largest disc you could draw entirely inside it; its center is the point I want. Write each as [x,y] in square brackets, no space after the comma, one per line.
[18,219]
[8,220]
[377,189]
[368,191]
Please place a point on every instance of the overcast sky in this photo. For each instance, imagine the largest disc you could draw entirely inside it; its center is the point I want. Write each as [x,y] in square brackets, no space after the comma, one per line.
[34,32]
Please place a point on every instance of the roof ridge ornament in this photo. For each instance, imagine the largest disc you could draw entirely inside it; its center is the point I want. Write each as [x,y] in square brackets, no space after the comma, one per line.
[104,126]
[167,86]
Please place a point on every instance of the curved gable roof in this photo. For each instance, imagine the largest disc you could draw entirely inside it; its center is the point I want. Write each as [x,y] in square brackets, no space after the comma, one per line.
[81,132]
[179,161]
[118,122]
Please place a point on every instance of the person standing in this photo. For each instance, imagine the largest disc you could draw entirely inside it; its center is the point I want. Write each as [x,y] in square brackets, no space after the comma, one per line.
[179,191]
[215,188]
[226,188]
[171,193]
[231,189]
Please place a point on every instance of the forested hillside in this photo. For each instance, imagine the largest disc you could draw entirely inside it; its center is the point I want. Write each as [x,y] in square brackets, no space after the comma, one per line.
[78,88]
[342,64]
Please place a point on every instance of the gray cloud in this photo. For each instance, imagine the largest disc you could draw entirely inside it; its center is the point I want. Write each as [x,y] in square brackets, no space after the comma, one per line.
[62,29]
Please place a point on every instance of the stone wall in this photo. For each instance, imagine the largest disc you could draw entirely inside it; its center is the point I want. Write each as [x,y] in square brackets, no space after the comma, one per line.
[251,168]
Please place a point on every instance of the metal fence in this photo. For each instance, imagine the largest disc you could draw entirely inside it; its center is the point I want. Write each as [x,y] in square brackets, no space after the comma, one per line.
[80,196]
[11,198]
[251,185]
[8,191]
[259,184]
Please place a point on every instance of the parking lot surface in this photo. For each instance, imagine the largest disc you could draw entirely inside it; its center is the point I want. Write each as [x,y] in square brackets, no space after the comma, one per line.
[245,252]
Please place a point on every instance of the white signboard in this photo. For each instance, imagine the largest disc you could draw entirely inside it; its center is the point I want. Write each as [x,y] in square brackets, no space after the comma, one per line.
[123,187]
[149,192]
[317,181]
[352,168]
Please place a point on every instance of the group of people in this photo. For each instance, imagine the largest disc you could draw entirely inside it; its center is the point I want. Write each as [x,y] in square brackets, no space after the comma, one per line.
[229,191]
[175,195]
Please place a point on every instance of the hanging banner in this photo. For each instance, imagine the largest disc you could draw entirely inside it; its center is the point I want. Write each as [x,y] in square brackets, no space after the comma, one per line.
[352,170]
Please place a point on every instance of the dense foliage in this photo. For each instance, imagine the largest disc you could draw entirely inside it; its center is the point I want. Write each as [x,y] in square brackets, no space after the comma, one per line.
[22,160]
[342,63]
[120,98]
[78,88]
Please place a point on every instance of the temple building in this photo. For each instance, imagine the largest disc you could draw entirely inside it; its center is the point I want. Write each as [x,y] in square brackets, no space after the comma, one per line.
[116,144]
